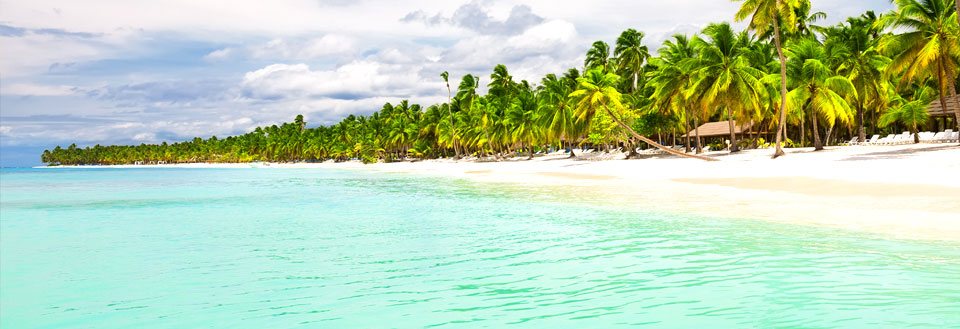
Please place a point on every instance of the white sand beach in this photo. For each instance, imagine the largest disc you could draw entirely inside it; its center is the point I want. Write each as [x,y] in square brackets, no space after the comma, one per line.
[906,191]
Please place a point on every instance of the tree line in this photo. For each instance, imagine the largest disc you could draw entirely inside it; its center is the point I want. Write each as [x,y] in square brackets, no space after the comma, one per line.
[799,83]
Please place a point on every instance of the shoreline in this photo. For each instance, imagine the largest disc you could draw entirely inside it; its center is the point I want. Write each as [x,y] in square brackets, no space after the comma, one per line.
[907,191]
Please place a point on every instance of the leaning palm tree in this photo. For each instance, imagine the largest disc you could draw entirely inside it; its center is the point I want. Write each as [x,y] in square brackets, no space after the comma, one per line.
[769,17]
[929,48]
[816,87]
[631,54]
[597,92]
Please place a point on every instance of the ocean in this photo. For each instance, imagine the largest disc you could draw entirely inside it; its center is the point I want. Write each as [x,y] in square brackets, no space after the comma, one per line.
[319,248]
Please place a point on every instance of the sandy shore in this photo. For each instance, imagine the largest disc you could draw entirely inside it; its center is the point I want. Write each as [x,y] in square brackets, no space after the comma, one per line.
[908,191]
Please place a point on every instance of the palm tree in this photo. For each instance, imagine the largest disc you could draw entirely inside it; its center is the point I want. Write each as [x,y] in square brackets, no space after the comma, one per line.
[930,46]
[912,113]
[453,132]
[631,54]
[854,47]
[806,20]
[598,56]
[501,83]
[522,118]
[767,15]
[816,87]
[597,91]
[725,79]
[557,109]
[673,79]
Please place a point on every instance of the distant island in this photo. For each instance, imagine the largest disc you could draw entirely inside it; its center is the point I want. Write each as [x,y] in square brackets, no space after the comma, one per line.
[797,86]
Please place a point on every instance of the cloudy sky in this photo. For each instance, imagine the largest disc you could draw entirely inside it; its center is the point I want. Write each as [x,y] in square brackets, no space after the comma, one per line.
[144,71]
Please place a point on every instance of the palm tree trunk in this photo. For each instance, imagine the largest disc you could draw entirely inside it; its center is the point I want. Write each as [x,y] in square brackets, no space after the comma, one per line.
[697,132]
[733,133]
[803,132]
[570,145]
[861,130]
[783,89]
[946,86]
[453,131]
[651,142]
[953,93]
[817,146]
[826,141]
[687,134]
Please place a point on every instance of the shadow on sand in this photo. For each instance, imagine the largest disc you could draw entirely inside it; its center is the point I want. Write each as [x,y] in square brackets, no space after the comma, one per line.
[900,153]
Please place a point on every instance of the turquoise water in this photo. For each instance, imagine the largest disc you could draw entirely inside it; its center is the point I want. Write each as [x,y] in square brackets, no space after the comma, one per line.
[269,248]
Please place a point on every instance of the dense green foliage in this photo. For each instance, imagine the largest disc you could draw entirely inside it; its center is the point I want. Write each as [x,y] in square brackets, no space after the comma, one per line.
[869,74]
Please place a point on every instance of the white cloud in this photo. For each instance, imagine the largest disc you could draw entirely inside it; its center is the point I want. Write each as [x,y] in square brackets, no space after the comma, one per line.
[31,89]
[358,79]
[33,54]
[145,137]
[476,16]
[219,54]
[280,49]
[326,45]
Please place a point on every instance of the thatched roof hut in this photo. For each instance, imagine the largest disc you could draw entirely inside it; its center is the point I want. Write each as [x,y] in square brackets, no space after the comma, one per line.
[936,110]
[719,129]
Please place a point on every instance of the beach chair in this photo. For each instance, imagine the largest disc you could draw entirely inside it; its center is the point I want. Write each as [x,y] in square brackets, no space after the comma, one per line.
[853,141]
[945,136]
[897,140]
[906,138]
[885,140]
[936,138]
[955,137]
[872,140]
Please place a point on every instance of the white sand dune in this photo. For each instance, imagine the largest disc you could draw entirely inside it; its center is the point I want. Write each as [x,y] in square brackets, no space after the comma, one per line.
[908,191]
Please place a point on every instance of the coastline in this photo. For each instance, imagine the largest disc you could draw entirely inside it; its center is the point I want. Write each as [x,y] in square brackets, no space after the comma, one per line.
[907,191]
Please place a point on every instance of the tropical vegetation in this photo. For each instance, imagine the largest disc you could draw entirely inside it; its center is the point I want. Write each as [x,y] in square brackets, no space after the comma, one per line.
[785,75]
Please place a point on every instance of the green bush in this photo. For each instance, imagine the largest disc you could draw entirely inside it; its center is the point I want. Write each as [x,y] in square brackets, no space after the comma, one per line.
[367,159]
[717,146]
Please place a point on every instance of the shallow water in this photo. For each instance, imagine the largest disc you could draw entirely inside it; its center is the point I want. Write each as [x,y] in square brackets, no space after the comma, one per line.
[255,248]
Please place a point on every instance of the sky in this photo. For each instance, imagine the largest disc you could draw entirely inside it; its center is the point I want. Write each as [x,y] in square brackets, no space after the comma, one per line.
[145,71]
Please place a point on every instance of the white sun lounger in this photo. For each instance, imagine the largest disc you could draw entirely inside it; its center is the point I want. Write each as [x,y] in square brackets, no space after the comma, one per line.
[936,138]
[906,138]
[955,137]
[945,136]
[885,140]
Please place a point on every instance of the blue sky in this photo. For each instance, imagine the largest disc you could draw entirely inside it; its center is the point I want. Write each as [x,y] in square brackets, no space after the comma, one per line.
[130,72]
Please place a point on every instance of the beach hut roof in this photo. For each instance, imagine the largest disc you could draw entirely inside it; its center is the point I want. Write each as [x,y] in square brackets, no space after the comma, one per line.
[719,128]
[935,110]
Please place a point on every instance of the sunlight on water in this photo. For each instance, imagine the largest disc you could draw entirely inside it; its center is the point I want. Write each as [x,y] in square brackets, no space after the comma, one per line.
[180,248]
